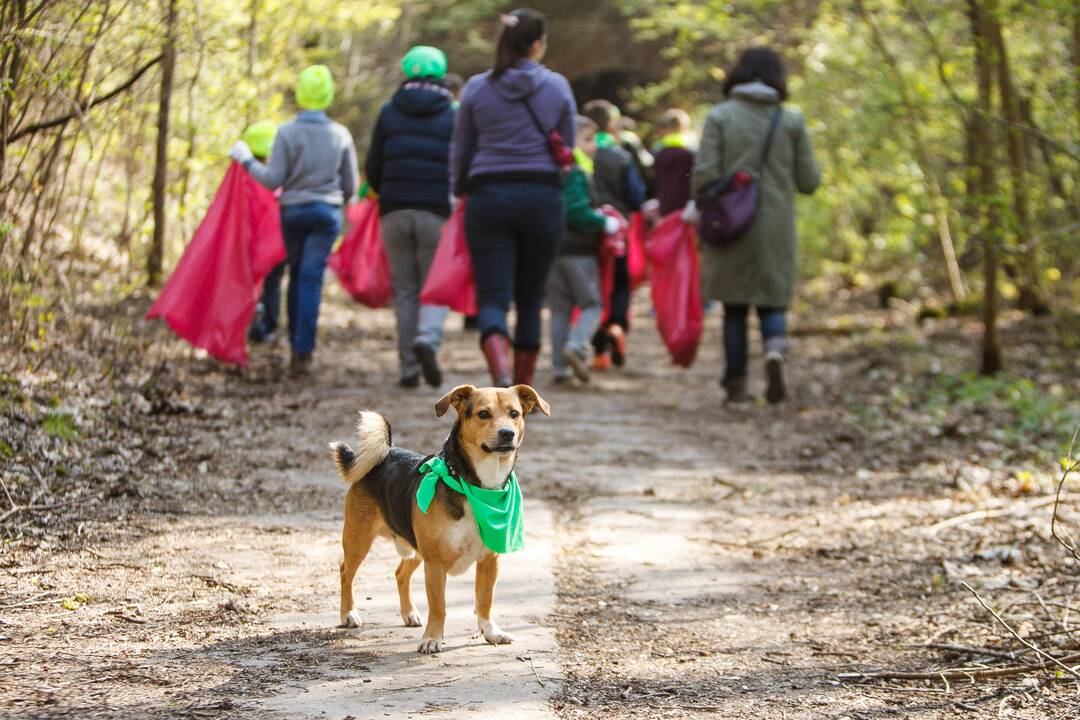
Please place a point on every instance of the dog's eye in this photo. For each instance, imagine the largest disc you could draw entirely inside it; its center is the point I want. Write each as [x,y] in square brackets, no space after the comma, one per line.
[515,414]
[484,415]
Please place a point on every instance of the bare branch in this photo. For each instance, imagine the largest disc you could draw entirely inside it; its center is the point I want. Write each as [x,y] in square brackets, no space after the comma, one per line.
[83,107]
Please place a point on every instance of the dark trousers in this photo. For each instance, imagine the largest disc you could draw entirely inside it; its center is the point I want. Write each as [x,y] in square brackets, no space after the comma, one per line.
[309,231]
[513,229]
[773,332]
[620,305]
[266,321]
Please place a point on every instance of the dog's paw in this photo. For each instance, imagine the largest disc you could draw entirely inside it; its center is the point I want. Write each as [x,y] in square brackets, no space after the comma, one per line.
[430,646]
[494,635]
[412,619]
[351,619]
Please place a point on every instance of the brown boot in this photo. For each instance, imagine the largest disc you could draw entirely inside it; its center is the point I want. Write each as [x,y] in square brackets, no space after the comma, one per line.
[524,366]
[497,353]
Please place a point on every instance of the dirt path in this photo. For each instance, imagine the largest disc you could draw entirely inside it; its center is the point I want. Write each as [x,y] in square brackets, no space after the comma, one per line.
[684,559]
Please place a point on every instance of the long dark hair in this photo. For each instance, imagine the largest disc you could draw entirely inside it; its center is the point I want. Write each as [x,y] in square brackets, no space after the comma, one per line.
[758,63]
[521,28]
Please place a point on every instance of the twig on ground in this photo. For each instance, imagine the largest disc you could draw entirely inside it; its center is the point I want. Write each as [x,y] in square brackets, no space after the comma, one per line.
[32,508]
[447,681]
[50,597]
[1016,635]
[971,650]
[1070,465]
[532,667]
[957,673]
[989,514]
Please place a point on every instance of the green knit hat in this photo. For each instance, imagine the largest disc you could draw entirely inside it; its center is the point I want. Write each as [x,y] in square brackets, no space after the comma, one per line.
[424,61]
[315,88]
[260,137]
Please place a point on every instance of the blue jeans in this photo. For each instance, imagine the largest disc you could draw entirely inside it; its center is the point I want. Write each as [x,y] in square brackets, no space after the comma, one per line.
[310,230]
[513,229]
[773,332]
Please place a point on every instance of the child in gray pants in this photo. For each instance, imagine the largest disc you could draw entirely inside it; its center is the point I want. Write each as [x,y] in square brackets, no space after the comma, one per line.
[575,277]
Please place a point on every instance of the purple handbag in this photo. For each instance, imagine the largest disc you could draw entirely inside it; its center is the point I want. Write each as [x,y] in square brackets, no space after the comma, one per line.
[728,206]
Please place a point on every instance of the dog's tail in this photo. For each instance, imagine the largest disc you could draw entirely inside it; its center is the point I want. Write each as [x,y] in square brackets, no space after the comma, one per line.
[373,433]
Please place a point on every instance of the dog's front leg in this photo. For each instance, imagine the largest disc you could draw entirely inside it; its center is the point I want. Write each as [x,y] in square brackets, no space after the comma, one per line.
[435,584]
[487,572]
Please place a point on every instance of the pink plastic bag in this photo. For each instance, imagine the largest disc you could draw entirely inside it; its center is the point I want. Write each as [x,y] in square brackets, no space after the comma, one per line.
[210,297]
[360,261]
[450,281]
[676,287]
[611,247]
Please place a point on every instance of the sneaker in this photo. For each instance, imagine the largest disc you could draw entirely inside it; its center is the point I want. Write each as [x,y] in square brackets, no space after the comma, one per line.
[300,364]
[775,391]
[602,361]
[577,364]
[409,381]
[429,364]
[618,345]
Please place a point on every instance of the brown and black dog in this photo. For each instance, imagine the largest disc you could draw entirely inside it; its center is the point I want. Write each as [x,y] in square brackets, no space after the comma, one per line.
[381,502]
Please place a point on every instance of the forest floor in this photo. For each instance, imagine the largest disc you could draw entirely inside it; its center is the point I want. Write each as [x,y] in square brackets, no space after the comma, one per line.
[173,546]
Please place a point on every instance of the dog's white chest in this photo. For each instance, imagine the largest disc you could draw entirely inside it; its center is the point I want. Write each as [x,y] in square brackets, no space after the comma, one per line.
[464,538]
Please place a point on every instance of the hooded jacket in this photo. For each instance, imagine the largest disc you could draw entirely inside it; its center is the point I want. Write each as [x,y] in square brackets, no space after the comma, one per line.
[493,132]
[761,267]
[409,158]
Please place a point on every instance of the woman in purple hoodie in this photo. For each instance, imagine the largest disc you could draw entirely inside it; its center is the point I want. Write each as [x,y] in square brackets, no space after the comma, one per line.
[514,219]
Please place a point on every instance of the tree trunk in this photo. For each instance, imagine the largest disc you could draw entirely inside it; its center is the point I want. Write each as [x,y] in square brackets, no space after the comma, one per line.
[938,200]
[12,17]
[1030,295]
[161,166]
[989,225]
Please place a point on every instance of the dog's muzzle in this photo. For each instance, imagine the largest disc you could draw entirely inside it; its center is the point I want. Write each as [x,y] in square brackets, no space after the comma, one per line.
[505,444]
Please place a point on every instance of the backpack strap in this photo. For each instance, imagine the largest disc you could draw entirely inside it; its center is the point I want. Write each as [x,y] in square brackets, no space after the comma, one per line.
[768,139]
[535,119]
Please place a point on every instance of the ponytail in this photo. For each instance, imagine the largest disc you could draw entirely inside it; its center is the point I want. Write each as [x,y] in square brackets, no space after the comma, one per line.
[520,29]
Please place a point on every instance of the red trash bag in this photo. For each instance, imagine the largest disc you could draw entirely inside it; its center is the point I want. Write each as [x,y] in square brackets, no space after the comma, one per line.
[210,297]
[360,261]
[611,247]
[635,250]
[450,281]
[676,286]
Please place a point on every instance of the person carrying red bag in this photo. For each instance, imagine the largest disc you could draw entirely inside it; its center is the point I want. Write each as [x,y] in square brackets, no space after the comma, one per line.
[575,278]
[313,161]
[408,165]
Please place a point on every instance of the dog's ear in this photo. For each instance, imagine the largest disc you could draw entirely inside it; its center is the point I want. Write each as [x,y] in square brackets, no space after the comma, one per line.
[455,397]
[531,400]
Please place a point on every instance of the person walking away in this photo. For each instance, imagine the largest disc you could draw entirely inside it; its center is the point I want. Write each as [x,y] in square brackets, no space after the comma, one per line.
[674,155]
[759,269]
[504,157]
[631,142]
[619,184]
[259,137]
[313,161]
[408,165]
[575,279]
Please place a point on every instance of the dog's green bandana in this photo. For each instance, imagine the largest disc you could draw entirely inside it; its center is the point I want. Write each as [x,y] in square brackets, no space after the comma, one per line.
[497,512]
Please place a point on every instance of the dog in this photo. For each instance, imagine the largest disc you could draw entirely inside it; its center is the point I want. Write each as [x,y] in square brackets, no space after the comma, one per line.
[481,449]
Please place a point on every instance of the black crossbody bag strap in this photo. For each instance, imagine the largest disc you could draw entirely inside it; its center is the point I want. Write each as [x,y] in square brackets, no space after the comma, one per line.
[773,124]
[532,114]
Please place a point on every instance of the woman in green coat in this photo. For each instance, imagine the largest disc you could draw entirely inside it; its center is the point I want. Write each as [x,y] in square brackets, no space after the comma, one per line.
[759,269]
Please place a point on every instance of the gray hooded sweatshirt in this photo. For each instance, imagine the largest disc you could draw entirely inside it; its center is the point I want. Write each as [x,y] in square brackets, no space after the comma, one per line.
[493,132]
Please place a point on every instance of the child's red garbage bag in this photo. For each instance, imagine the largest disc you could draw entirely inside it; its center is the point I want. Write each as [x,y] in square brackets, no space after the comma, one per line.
[210,297]
[360,261]
[635,250]
[450,281]
[611,247]
[676,287]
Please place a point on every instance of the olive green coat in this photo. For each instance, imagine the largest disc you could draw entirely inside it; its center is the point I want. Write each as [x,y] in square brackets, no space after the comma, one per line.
[760,268]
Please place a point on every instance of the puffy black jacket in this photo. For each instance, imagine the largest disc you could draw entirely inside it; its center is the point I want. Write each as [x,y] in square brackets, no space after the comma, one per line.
[408,162]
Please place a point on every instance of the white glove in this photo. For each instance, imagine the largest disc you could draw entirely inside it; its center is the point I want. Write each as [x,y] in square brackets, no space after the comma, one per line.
[611,225]
[454,202]
[240,152]
[690,214]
